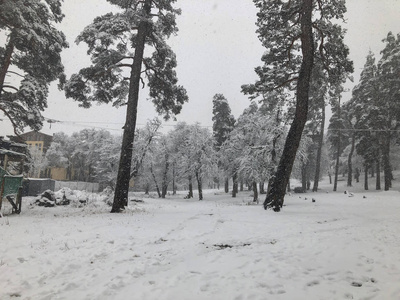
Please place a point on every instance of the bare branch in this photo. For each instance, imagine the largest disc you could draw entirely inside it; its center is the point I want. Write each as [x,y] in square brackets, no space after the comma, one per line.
[10,87]
[12,72]
[12,122]
[291,46]
[286,82]
[120,66]
[320,8]
[142,81]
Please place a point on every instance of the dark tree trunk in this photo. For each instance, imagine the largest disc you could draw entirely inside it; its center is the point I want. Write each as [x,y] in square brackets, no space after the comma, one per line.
[349,161]
[378,173]
[241,185]
[226,185]
[255,192]
[335,180]
[235,185]
[303,176]
[277,191]
[173,180]
[155,181]
[319,150]
[124,169]
[190,194]
[387,170]
[337,157]
[164,184]
[6,64]
[199,185]
[366,177]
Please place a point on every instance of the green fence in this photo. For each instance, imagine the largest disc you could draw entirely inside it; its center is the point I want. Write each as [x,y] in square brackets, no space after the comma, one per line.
[11,185]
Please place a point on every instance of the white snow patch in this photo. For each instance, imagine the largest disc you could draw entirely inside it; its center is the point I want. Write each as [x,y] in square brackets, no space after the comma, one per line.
[220,248]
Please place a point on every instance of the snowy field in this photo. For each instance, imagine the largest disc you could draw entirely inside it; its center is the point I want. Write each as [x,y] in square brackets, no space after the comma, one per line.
[339,247]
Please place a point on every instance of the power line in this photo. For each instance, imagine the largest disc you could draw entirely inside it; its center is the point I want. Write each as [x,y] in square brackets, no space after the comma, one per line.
[84,124]
[364,130]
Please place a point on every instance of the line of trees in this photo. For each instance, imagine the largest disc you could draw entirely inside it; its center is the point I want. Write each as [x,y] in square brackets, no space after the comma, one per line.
[281,135]
[367,125]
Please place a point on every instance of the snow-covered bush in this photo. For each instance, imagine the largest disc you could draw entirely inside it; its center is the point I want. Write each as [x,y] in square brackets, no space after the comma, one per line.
[74,198]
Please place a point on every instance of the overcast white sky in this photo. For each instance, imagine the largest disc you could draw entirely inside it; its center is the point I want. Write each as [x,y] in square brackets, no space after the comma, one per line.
[217,50]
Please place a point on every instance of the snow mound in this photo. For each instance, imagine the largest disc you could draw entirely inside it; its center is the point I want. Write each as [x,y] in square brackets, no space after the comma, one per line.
[74,198]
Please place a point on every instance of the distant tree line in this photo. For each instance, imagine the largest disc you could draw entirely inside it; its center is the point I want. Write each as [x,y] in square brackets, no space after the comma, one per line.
[280,135]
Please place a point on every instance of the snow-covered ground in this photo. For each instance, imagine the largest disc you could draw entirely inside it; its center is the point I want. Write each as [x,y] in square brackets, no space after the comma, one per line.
[338,247]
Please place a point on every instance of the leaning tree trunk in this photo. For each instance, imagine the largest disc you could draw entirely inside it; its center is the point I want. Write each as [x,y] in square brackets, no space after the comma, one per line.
[319,151]
[124,168]
[5,64]
[155,181]
[276,193]
[349,161]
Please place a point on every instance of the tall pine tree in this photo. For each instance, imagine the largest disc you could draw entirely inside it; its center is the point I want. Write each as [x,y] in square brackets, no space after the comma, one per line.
[116,42]
[223,124]
[294,34]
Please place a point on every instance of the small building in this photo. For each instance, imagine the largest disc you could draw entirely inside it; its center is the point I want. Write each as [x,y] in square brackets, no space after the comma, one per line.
[39,140]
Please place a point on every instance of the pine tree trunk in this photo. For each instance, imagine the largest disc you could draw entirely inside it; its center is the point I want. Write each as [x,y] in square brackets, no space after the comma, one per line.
[6,64]
[378,173]
[349,161]
[335,180]
[303,177]
[124,168]
[235,185]
[386,162]
[255,192]
[319,151]
[276,194]
[366,177]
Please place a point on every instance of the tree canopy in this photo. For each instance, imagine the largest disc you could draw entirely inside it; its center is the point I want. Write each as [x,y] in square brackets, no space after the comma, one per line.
[30,58]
